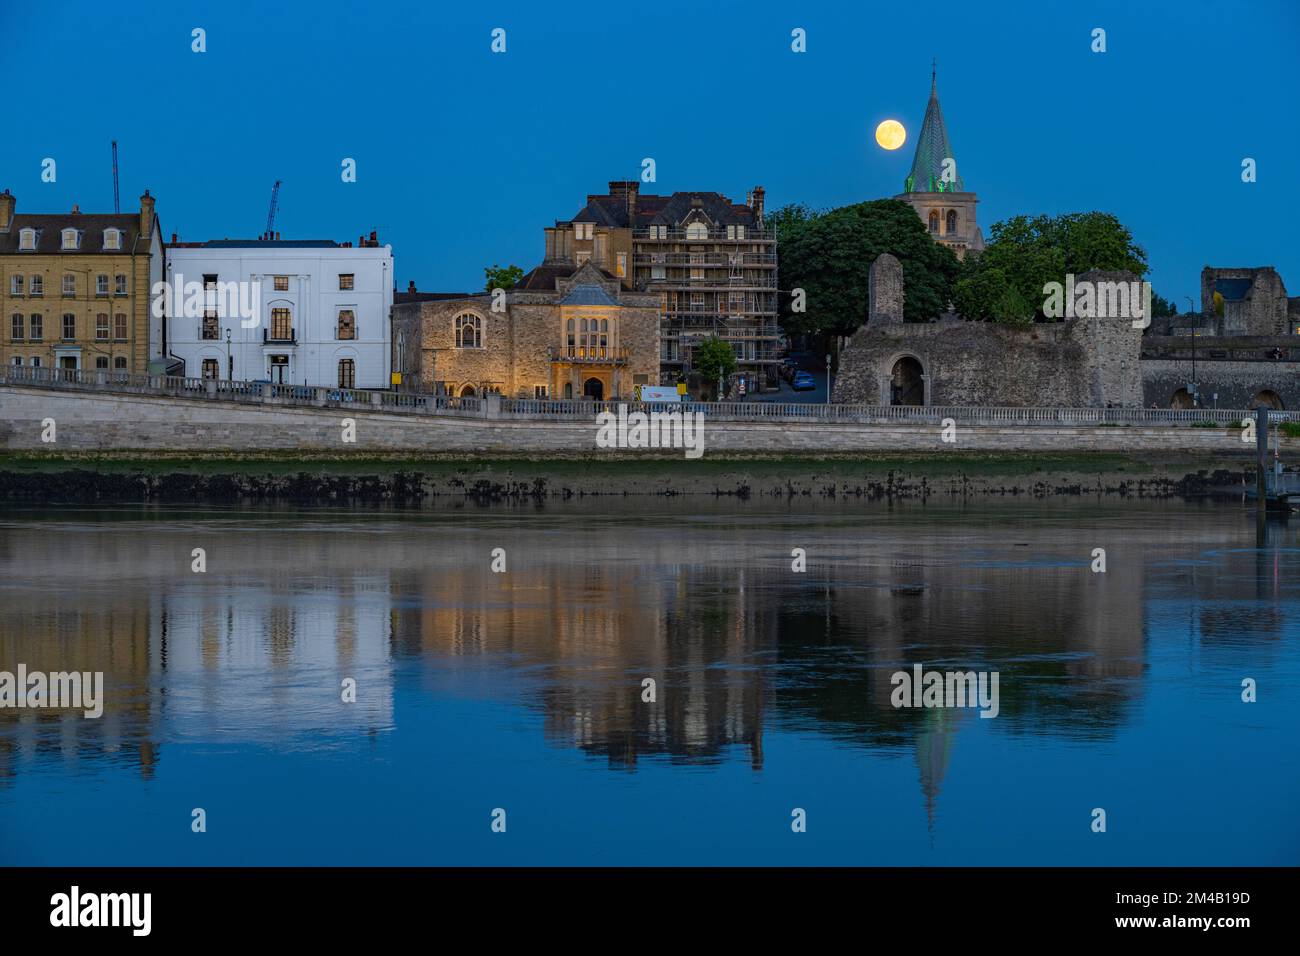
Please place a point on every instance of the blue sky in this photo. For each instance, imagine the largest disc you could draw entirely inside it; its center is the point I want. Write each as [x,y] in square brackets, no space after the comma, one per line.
[463,156]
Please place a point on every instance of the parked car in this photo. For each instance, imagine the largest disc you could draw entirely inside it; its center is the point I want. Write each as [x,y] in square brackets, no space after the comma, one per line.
[788,368]
[803,382]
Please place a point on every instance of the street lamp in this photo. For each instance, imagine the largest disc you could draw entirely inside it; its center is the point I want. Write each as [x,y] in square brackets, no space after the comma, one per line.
[828,378]
[230,361]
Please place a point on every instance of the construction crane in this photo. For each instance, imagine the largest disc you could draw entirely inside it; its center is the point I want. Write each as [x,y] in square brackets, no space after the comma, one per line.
[117,205]
[270,216]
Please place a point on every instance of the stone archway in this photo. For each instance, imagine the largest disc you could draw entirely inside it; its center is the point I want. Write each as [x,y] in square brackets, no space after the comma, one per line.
[1181,399]
[467,391]
[907,381]
[1268,398]
[594,389]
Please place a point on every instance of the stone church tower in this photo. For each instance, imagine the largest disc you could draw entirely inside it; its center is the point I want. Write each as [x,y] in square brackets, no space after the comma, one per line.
[935,188]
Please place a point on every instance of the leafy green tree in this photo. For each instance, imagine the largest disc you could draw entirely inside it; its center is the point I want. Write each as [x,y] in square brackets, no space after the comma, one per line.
[713,359]
[1031,252]
[502,278]
[1161,307]
[829,256]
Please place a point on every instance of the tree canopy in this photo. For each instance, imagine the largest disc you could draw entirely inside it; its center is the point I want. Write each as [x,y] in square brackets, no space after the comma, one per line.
[713,358]
[829,255]
[499,277]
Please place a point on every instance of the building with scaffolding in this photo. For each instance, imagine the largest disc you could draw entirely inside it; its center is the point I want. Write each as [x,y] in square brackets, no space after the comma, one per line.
[711,262]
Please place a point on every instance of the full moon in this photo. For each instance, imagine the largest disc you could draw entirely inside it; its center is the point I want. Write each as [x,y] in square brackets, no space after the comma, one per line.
[890,134]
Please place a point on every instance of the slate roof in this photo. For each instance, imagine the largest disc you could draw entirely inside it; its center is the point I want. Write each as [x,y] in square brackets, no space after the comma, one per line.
[588,294]
[609,210]
[400,297]
[49,233]
[542,278]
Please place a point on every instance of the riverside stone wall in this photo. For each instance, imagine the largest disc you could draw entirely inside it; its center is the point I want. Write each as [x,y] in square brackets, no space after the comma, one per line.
[87,422]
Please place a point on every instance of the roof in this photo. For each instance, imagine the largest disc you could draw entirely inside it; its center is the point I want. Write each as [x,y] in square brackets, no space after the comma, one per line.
[542,278]
[588,294]
[49,229]
[264,244]
[400,297]
[932,148]
[612,210]
[1233,289]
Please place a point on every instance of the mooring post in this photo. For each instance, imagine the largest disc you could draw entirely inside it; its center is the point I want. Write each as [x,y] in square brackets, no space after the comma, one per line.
[1261,456]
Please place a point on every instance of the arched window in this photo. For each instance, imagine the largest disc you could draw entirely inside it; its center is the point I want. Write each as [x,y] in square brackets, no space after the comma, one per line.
[469,331]
[697,230]
[934,221]
[951,229]
[467,391]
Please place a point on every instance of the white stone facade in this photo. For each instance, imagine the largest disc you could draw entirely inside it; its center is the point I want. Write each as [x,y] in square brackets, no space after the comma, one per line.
[319,312]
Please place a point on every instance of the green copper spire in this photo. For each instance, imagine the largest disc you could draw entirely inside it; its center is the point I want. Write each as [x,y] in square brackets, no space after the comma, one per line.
[932,148]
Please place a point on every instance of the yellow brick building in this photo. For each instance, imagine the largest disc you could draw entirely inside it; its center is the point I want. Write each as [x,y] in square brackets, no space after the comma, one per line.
[75,288]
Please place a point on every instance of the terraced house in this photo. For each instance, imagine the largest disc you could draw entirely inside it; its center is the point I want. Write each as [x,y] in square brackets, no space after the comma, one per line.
[75,287]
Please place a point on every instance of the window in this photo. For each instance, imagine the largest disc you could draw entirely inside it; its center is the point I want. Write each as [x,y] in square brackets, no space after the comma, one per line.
[211,330]
[101,327]
[282,326]
[69,326]
[209,282]
[37,285]
[36,361]
[26,240]
[112,239]
[584,230]
[119,363]
[69,284]
[281,283]
[119,326]
[620,269]
[119,285]
[36,331]
[71,239]
[347,282]
[541,391]
[18,360]
[582,257]
[347,373]
[469,331]
[952,223]
[934,221]
[211,369]
[347,328]
[101,285]
[16,331]
[697,301]
[101,362]
[657,272]
[697,230]
[697,266]
[15,285]
[731,232]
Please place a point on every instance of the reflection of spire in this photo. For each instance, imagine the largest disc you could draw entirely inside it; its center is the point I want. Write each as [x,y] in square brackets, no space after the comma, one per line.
[933,749]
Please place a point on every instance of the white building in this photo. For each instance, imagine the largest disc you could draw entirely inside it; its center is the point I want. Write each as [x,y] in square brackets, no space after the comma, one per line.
[309,312]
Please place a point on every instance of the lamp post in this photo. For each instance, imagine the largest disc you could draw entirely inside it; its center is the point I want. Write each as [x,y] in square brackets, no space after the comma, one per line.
[230,360]
[828,378]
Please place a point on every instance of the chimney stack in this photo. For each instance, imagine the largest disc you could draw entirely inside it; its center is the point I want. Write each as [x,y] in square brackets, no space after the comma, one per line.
[374,237]
[6,210]
[411,287]
[756,201]
[173,238]
[626,190]
[76,209]
[146,214]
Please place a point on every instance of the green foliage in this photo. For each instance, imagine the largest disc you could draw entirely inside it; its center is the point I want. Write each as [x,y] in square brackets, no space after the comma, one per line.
[713,358]
[1033,252]
[829,256]
[1161,308]
[1290,429]
[501,278]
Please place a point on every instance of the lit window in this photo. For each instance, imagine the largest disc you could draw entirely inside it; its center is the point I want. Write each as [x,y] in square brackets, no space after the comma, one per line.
[71,239]
[469,331]
[347,324]
[347,282]
[621,268]
[281,283]
[26,240]
[112,239]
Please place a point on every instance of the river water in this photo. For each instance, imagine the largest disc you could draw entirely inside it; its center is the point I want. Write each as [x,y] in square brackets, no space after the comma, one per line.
[519,696]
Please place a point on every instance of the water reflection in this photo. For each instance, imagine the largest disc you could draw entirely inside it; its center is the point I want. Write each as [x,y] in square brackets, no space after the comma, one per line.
[253,652]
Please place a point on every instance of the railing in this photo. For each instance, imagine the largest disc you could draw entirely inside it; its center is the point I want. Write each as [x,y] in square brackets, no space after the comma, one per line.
[494,406]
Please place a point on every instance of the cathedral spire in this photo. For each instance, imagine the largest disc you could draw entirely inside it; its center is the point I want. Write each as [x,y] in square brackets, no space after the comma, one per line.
[932,148]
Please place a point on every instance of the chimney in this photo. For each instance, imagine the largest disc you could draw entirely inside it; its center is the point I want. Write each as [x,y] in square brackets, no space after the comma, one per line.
[76,210]
[411,288]
[6,210]
[756,201]
[146,214]
[374,237]
[625,190]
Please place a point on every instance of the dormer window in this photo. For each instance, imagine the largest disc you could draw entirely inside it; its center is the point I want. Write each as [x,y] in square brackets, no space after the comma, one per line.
[697,230]
[26,240]
[584,230]
[71,239]
[112,238]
